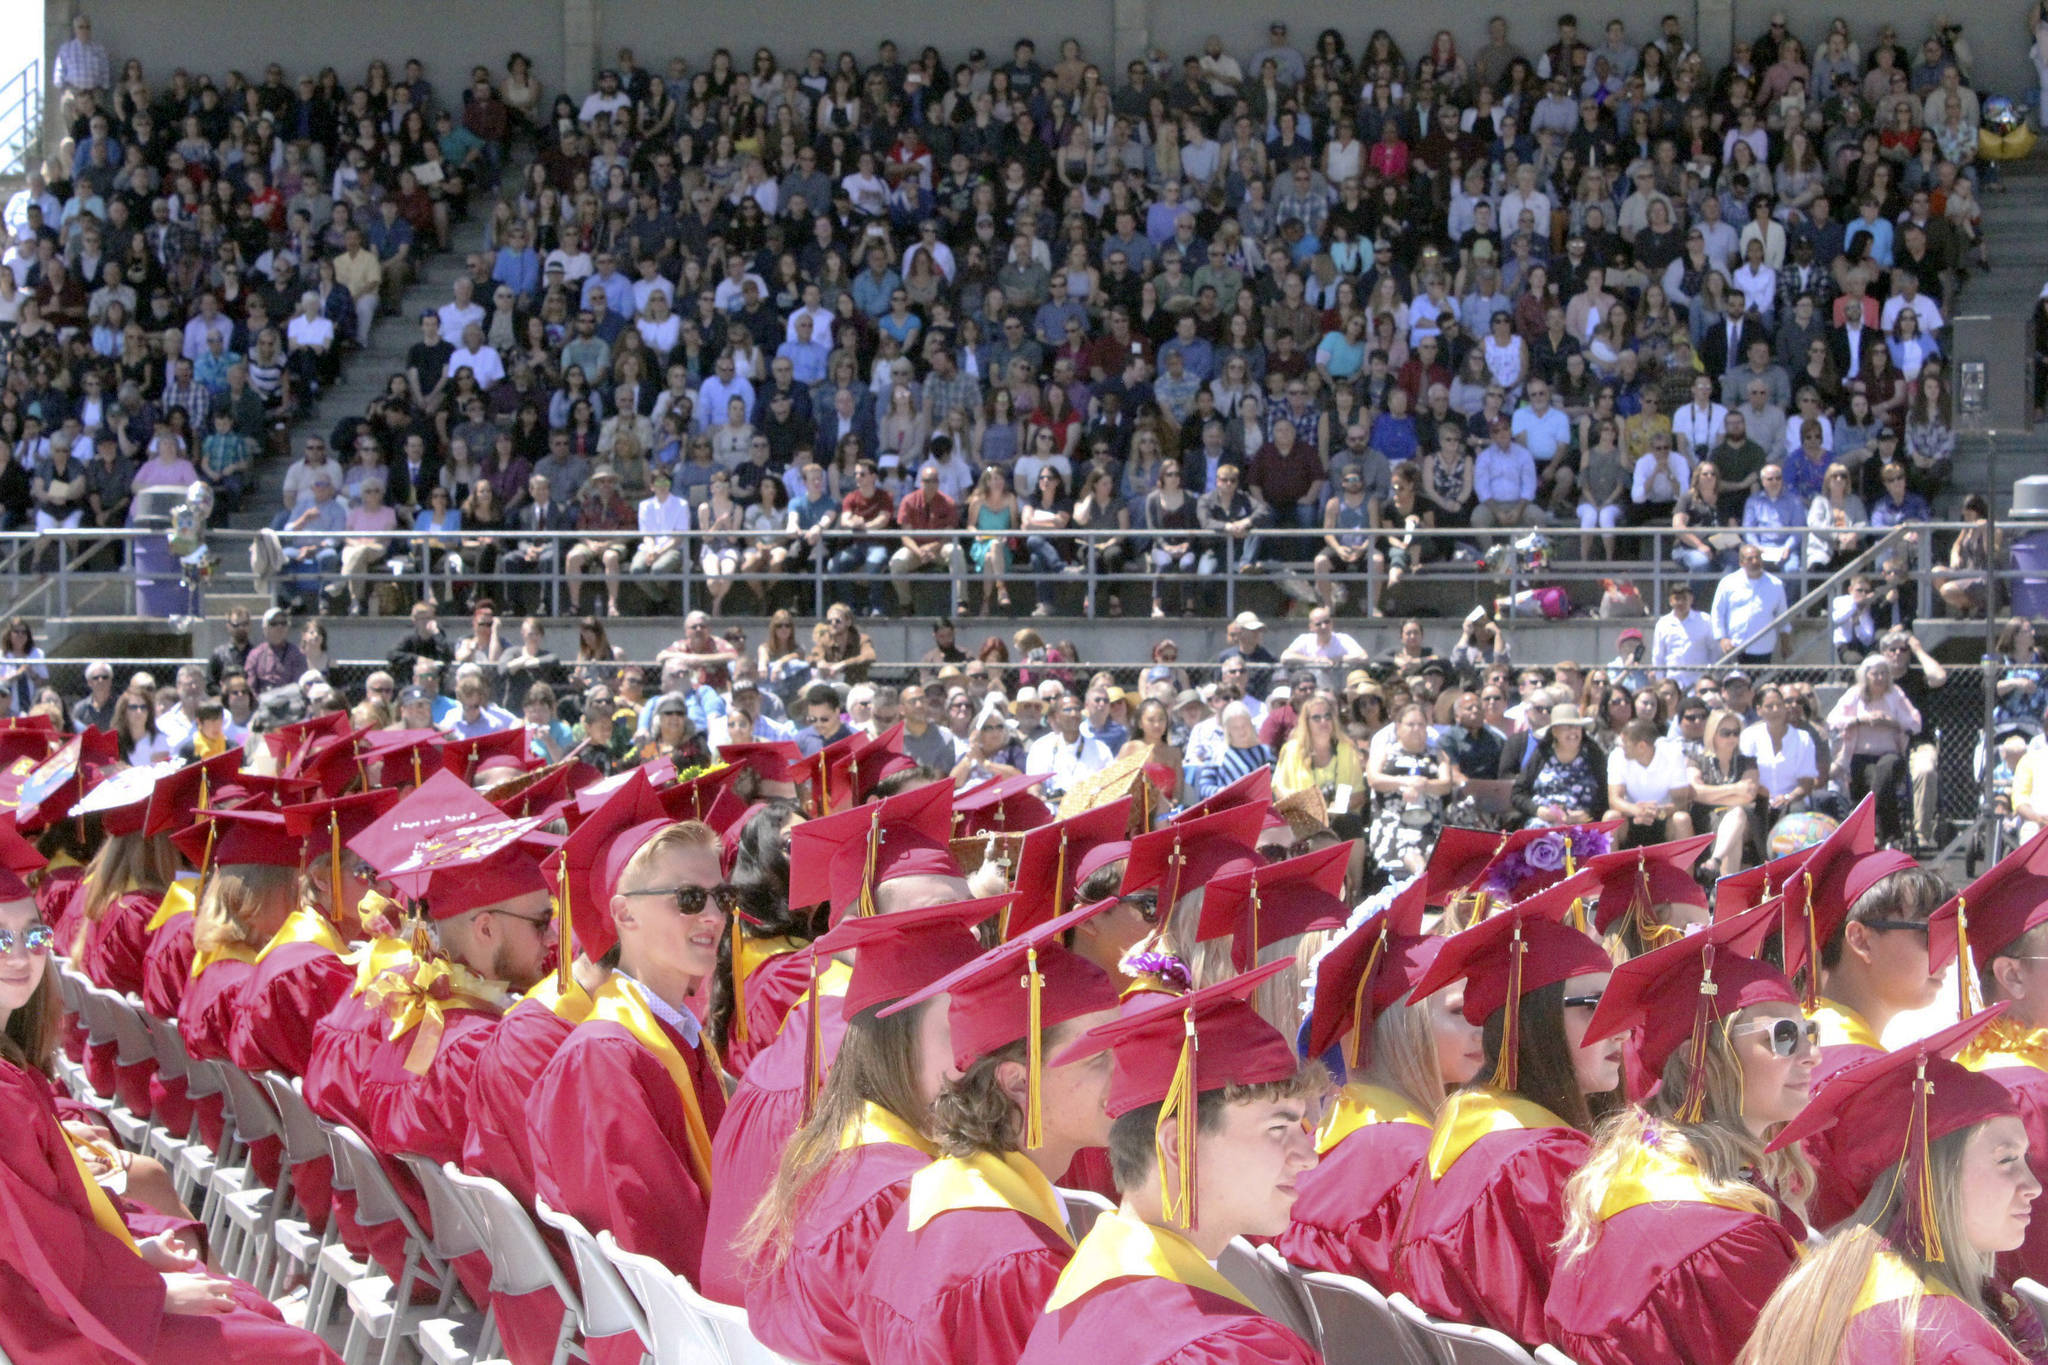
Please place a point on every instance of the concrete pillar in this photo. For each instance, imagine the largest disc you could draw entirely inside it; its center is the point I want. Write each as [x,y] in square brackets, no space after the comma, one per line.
[582,22]
[1714,25]
[1130,32]
[56,32]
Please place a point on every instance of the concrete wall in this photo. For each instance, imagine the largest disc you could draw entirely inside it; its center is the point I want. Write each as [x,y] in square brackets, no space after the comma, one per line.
[559,34]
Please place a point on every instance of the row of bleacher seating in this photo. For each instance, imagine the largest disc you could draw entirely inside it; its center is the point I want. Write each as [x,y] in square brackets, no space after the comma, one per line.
[259,1234]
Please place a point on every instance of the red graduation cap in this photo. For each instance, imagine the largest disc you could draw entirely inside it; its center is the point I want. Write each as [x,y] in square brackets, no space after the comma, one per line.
[1633,881]
[64,778]
[334,821]
[1673,995]
[1368,972]
[289,742]
[1001,805]
[17,743]
[541,789]
[586,869]
[844,858]
[18,855]
[855,767]
[1513,865]
[467,757]
[404,758]
[1171,1051]
[1051,859]
[1931,1094]
[769,759]
[222,837]
[446,845]
[696,798]
[178,795]
[1504,958]
[1816,900]
[2008,899]
[1187,854]
[1262,905]
[35,720]
[898,955]
[266,793]
[1255,788]
[1013,993]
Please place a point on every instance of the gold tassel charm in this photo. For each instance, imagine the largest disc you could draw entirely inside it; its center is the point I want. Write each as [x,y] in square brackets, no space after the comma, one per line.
[739,981]
[866,905]
[1967,1003]
[1694,1103]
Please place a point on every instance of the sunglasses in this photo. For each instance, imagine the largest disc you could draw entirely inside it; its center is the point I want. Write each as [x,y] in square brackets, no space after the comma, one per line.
[1909,926]
[1785,1035]
[36,940]
[692,900]
[1582,1002]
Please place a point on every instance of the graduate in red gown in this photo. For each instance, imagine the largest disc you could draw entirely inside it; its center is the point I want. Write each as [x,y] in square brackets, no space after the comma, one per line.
[1910,1277]
[77,1283]
[1487,1212]
[620,1124]
[1678,1227]
[847,1170]
[1210,1138]
[1648,896]
[761,971]
[1867,910]
[1399,1061]
[963,1268]
[911,867]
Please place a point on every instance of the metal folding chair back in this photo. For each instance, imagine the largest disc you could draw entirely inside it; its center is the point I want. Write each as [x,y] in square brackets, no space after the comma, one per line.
[609,1308]
[1268,1285]
[1356,1321]
[1083,1208]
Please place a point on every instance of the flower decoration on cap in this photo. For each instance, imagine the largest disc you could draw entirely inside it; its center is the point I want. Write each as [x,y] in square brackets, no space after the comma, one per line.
[1510,866]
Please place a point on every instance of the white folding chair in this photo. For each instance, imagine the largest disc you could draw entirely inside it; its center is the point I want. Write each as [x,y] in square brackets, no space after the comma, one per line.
[685,1324]
[1457,1343]
[1356,1322]
[521,1262]
[465,1336]
[249,1207]
[1550,1355]
[2035,1293]
[383,1311]
[609,1308]
[293,1238]
[1083,1208]
[172,1065]
[110,1019]
[1269,1284]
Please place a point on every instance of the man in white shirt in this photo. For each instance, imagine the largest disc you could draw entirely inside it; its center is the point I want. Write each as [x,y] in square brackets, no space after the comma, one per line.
[1746,603]
[1682,641]
[664,518]
[608,98]
[1647,786]
[1541,428]
[1786,767]
[1328,651]
[1505,482]
[478,356]
[719,388]
[1697,426]
[1066,755]
[460,312]
[1906,294]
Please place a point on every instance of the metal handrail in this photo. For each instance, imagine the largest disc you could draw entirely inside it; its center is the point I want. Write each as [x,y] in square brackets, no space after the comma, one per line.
[1823,592]
[21,119]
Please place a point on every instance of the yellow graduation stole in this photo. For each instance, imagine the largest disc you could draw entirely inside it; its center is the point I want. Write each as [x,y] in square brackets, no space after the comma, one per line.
[1841,1026]
[2006,1043]
[749,955]
[986,1181]
[877,1125]
[306,926]
[572,1005]
[1891,1279]
[832,981]
[1649,1175]
[103,1212]
[417,999]
[1122,1247]
[182,898]
[1470,1115]
[374,957]
[618,1002]
[238,952]
[1360,1105]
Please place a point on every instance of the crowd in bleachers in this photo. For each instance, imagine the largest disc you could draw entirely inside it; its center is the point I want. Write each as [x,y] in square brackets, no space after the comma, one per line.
[1133,322]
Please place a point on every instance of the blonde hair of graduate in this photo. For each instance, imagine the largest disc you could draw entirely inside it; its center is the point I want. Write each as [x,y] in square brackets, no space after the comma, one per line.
[125,863]
[877,1062]
[1719,1146]
[234,902]
[1404,1057]
[1807,1319]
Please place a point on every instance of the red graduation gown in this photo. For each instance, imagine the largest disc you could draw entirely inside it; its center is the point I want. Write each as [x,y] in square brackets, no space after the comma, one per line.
[1151,1317]
[57,904]
[75,1293]
[1842,1174]
[115,947]
[1488,1211]
[1672,1277]
[1944,1329]
[508,1067]
[608,1131]
[771,989]
[766,1110]
[293,986]
[166,974]
[803,1308]
[959,1283]
[206,1017]
[1349,1213]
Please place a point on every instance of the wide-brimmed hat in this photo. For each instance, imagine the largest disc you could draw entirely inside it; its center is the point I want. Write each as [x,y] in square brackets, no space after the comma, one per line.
[1564,713]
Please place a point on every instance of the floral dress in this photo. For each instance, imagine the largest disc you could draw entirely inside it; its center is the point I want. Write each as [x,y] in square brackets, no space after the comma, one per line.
[1398,827]
[1569,786]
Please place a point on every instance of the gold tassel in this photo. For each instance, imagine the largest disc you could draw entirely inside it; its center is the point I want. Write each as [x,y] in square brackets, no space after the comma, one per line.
[1966,1002]
[1180,1108]
[866,905]
[334,865]
[1571,866]
[1812,949]
[565,936]
[1480,906]
[1923,1175]
[1174,861]
[416,766]
[1694,1103]
[1507,1070]
[1356,1043]
[1253,954]
[1577,915]
[814,1045]
[1034,1053]
[202,791]
[739,982]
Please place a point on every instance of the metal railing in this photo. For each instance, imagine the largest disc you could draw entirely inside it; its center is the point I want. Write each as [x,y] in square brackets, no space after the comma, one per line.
[21,120]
